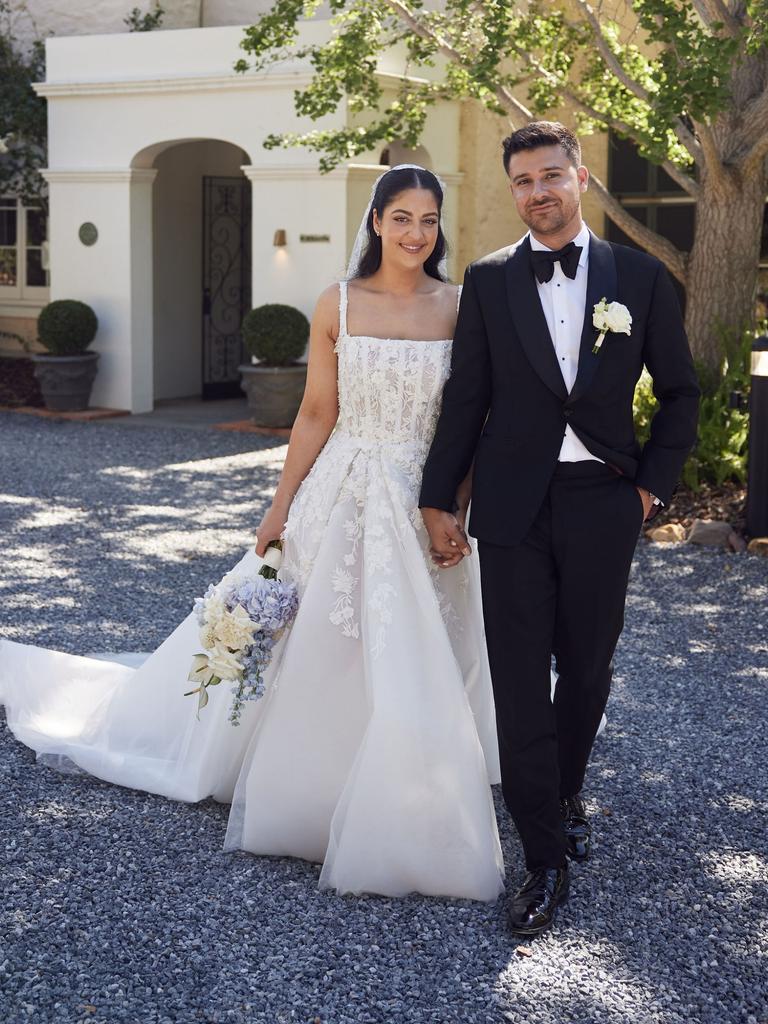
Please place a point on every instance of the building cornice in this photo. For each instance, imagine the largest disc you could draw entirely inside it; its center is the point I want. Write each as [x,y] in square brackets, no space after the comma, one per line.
[186,83]
[294,172]
[200,83]
[290,172]
[271,172]
[367,170]
[98,175]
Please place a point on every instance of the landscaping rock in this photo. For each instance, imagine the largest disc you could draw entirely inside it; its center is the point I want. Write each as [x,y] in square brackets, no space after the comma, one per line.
[758,546]
[670,533]
[710,533]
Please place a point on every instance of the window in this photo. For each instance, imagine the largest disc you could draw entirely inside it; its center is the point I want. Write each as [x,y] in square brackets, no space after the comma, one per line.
[651,196]
[23,252]
[656,200]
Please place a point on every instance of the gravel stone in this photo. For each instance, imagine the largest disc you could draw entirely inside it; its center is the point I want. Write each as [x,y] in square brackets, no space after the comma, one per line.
[119,907]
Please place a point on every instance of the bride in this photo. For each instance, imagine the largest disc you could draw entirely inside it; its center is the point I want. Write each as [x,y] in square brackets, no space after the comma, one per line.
[374,745]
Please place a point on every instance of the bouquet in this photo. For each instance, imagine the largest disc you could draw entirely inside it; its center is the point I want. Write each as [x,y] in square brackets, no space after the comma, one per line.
[241,619]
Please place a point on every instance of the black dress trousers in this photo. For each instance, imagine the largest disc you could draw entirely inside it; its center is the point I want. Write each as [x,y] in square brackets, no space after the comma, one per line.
[560,591]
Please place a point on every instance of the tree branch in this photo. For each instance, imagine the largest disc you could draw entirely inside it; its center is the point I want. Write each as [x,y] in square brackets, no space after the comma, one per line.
[755,114]
[513,105]
[609,57]
[755,157]
[673,259]
[613,64]
[518,110]
[685,181]
[711,154]
[423,31]
[688,139]
[711,11]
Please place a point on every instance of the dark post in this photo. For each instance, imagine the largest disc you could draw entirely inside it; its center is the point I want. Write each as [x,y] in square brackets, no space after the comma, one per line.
[757,481]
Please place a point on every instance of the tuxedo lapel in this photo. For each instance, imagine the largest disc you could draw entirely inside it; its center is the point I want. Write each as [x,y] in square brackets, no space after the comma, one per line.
[601,283]
[529,320]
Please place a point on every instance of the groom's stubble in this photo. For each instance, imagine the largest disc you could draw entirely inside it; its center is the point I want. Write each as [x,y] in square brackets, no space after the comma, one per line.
[546,187]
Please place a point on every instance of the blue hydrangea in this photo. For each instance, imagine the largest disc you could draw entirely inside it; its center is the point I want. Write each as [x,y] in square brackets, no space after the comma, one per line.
[272,604]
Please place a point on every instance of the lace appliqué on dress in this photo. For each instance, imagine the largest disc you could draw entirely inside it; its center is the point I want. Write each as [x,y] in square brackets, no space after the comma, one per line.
[361,496]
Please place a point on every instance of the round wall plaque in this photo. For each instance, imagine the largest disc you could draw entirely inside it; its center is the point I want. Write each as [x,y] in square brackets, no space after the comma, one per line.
[88,233]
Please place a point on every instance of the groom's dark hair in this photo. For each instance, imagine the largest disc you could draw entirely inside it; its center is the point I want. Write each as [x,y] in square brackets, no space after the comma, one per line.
[542,133]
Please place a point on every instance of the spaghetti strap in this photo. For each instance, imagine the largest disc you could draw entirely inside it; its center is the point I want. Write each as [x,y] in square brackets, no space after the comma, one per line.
[342,308]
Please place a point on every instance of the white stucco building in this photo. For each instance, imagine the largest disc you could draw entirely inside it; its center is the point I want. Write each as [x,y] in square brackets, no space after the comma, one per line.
[164,203]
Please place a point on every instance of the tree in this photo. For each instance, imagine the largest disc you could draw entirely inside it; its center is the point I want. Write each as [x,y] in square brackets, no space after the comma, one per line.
[686,80]
[23,124]
[145,22]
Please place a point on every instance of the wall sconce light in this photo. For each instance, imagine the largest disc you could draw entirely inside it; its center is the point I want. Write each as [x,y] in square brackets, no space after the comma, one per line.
[280,237]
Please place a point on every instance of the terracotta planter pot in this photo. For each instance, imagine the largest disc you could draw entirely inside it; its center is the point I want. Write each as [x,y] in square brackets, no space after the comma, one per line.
[66,381]
[274,393]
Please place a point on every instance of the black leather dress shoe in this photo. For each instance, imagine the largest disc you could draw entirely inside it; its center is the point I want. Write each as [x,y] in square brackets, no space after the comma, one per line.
[534,904]
[578,831]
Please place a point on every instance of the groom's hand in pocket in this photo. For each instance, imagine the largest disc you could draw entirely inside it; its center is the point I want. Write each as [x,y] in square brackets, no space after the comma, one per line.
[448,541]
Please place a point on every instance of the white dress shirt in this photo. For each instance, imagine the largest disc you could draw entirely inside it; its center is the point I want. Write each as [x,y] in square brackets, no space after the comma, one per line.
[563,301]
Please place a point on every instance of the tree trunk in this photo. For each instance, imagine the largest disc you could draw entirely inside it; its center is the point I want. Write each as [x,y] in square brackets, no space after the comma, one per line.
[722,269]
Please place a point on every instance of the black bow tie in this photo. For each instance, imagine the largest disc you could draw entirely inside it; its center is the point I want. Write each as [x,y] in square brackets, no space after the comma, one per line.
[543,261]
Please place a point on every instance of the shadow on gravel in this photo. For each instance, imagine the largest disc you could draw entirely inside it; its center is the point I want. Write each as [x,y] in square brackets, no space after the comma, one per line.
[111,544]
[119,907]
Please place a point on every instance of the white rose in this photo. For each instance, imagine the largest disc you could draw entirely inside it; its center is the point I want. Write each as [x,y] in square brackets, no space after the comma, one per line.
[617,318]
[223,663]
[235,629]
[214,608]
[207,636]
[598,315]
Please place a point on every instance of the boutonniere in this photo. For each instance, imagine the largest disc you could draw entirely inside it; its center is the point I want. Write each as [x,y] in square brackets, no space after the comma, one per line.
[610,316]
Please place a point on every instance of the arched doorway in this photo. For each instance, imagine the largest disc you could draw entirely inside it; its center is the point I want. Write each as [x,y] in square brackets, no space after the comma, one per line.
[201,266]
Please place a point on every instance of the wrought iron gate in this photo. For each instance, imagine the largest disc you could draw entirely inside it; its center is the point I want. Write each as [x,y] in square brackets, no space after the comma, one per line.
[226,281]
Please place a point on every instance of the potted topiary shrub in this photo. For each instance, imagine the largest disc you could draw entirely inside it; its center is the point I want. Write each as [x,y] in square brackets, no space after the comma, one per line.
[277,336]
[66,328]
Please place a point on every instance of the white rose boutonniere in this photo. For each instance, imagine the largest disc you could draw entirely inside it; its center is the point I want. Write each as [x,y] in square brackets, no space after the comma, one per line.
[610,316]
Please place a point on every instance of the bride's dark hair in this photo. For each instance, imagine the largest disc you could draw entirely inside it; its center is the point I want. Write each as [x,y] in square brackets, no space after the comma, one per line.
[391,185]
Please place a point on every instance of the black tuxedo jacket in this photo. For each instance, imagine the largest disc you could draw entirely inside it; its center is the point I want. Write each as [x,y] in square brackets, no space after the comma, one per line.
[506,406]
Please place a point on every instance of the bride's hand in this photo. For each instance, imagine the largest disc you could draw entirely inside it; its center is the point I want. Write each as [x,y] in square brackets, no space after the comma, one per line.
[448,542]
[271,528]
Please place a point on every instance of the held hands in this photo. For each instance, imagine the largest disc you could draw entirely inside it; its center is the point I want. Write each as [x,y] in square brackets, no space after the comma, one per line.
[448,541]
[271,528]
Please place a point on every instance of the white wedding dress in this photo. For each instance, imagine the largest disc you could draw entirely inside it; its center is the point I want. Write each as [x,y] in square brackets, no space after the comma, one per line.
[374,746]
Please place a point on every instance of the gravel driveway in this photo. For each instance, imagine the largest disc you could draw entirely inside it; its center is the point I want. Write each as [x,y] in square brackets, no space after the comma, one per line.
[119,907]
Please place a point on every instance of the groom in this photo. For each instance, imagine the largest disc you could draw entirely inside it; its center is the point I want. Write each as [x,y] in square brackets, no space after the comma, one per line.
[561,485]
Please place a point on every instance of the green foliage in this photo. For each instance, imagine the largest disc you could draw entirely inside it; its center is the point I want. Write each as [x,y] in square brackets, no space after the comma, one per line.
[721,451]
[138,22]
[23,121]
[483,51]
[277,335]
[758,32]
[66,327]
